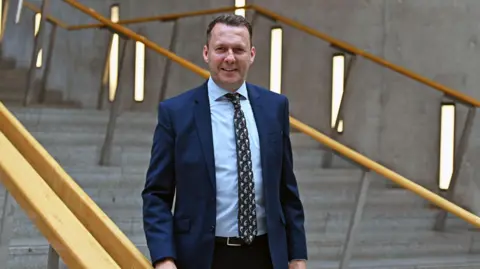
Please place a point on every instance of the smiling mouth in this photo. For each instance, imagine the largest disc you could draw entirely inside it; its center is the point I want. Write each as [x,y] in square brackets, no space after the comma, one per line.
[229,70]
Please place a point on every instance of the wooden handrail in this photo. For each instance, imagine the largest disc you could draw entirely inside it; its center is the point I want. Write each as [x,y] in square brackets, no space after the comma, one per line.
[335,42]
[350,48]
[387,173]
[167,17]
[279,18]
[107,233]
[66,234]
[50,19]
[353,155]
[134,36]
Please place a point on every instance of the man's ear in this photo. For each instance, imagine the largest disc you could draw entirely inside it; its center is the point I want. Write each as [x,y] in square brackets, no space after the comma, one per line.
[253,52]
[205,53]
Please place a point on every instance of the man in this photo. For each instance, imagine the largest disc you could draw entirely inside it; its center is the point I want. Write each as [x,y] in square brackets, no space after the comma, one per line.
[223,150]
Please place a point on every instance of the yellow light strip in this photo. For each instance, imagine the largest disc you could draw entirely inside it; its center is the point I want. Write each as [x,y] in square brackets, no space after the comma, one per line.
[276,60]
[240,11]
[338,81]
[113,60]
[38,18]
[139,71]
[447,145]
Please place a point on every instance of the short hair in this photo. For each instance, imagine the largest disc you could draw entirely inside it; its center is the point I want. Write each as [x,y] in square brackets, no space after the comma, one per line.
[230,20]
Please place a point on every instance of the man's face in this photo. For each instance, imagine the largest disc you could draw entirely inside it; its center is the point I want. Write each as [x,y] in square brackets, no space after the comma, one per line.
[229,55]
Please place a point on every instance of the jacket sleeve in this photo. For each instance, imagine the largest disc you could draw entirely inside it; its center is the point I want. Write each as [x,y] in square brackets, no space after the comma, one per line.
[290,198]
[159,191]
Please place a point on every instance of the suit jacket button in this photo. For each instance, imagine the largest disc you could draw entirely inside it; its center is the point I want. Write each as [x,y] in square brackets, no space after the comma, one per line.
[212,228]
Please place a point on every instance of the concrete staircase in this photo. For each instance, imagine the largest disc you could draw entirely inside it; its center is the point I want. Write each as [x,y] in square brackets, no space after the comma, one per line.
[395,231]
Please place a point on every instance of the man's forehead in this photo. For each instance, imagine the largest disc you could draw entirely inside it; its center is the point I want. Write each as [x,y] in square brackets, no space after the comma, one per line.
[223,29]
[230,34]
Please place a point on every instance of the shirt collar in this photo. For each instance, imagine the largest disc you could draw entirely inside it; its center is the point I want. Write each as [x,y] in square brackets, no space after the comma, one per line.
[216,93]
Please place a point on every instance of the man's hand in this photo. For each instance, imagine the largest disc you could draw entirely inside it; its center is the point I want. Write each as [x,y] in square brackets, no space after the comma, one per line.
[166,264]
[297,265]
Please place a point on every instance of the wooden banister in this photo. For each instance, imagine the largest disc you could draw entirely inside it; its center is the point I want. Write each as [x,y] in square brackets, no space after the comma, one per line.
[134,36]
[167,17]
[66,234]
[350,48]
[107,233]
[387,173]
[49,18]
[297,25]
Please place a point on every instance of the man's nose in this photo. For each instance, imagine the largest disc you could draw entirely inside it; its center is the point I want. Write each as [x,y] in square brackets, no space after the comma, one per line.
[230,58]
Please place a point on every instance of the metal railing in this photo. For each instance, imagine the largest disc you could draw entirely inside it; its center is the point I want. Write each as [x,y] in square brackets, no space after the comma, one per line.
[364,162]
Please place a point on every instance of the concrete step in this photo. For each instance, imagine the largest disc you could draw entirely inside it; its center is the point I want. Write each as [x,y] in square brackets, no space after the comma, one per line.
[132,138]
[331,224]
[16,75]
[307,179]
[24,232]
[17,94]
[465,261]
[84,116]
[7,64]
[35,256]
[392,250]
[325,251]
[94,121]
[129,151]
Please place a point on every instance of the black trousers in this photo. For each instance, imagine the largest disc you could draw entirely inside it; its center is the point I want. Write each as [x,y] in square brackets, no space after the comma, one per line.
[254,256]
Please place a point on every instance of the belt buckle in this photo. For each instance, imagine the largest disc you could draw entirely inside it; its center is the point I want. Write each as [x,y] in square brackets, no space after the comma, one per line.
[232,244]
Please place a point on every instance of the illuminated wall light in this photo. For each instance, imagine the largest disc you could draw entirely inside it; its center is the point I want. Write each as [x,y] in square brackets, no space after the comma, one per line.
[338,80]
[139,71]
[276,59]
[447,145]
[240,11]
[38,18]
[114,51]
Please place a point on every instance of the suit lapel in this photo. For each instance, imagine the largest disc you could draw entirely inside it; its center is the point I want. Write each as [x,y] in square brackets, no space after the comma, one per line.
[203,122]
[261,121]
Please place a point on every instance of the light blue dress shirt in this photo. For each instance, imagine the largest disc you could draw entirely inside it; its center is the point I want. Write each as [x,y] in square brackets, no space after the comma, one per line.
[224,146]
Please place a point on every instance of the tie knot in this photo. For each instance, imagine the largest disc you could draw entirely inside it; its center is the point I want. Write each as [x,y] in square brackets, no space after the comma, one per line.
[234,98]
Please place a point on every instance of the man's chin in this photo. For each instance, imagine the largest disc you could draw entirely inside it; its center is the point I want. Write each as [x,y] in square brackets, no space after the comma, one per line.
[231,82]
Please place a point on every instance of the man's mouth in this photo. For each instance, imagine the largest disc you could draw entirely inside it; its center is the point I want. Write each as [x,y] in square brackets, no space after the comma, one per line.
[229,69]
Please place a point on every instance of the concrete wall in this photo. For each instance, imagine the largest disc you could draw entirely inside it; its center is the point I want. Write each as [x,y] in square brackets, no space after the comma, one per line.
[388,117]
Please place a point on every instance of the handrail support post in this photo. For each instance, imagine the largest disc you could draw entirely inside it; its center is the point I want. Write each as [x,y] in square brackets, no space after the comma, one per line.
[355,220]
[37,44]
[6,226]
[168,63]
[48,63]
[53,261]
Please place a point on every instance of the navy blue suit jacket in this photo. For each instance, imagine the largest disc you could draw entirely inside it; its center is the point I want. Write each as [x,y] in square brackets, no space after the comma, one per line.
[182,161]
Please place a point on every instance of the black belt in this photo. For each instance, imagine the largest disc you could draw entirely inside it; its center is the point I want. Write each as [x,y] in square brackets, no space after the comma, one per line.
[236,241]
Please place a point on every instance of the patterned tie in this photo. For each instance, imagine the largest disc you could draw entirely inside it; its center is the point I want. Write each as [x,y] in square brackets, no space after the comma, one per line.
[247,216]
